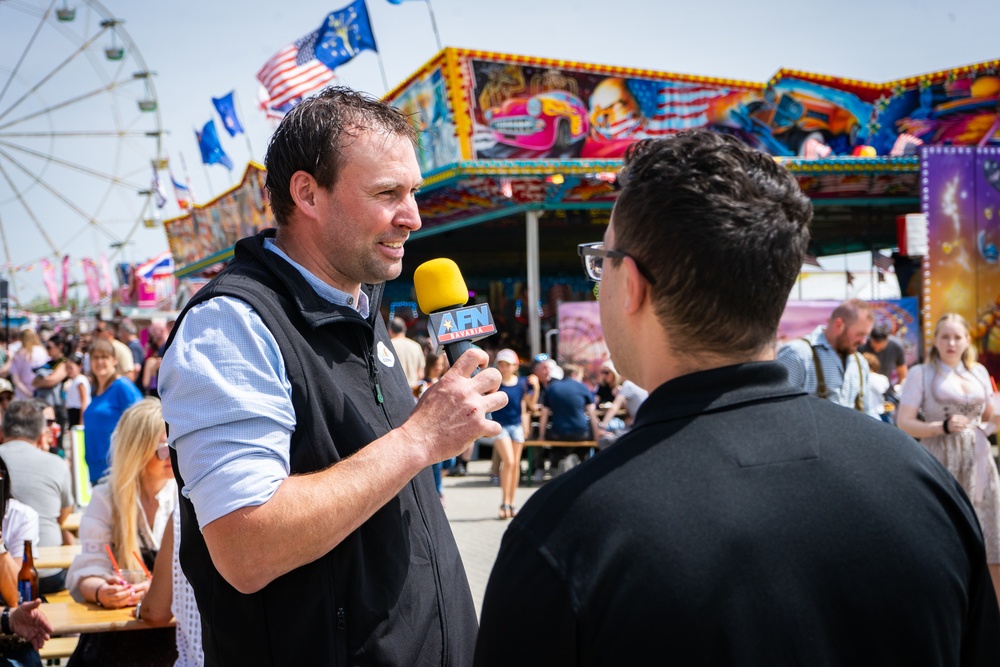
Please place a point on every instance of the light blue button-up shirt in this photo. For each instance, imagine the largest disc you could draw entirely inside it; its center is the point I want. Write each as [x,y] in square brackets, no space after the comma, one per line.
[842,383]
[228,400]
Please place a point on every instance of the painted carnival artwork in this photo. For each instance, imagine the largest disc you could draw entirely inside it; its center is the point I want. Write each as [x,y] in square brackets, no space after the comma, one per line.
[425,102]
[961,199]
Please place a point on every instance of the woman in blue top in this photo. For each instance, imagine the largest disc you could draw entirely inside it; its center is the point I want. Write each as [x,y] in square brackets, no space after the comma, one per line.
[511,440]
[112,396]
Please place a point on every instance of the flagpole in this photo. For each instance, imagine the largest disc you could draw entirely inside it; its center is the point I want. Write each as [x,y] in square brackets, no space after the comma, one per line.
[208,179]
[187,178]
[437,37]
[378,54]
[236,97]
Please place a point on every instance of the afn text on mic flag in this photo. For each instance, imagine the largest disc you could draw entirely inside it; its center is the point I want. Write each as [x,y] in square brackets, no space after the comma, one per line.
[344,34]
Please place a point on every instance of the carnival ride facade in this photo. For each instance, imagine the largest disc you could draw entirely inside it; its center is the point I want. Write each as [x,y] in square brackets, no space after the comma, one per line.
[526,151]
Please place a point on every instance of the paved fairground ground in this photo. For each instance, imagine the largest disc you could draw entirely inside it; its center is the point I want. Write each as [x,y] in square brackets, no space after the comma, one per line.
[471,504]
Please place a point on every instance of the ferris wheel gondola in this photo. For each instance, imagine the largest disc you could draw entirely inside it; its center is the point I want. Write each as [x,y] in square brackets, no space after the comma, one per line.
[80,137]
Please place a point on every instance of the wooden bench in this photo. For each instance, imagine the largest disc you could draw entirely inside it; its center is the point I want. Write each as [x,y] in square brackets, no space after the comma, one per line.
[531,445]
[58,648]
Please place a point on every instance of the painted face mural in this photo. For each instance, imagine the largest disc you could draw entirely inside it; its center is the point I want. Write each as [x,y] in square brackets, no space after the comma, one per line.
[614,111]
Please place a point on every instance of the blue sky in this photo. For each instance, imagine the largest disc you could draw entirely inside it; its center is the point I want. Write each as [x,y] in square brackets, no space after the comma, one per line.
[206,48]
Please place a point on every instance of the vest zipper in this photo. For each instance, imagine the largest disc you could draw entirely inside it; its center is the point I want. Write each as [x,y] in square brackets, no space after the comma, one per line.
[373,373]
[341,618]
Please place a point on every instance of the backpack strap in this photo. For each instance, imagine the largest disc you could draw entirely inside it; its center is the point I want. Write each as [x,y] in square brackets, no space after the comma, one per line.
[821,390]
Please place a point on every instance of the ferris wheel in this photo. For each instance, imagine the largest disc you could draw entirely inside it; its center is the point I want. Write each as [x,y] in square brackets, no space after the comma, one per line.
[80,139]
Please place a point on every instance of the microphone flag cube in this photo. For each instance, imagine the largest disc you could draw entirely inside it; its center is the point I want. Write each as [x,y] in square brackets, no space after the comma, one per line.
[467,323]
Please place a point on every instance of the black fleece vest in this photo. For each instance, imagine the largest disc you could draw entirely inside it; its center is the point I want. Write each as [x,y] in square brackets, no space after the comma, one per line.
[394,592]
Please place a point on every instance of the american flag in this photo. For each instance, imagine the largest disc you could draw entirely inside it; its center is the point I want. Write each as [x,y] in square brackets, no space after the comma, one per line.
[666,108]
[881,262]
[294,71]
[906,144]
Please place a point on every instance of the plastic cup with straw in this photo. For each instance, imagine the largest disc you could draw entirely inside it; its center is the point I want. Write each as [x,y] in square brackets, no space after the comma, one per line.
[142,563]
[114,563]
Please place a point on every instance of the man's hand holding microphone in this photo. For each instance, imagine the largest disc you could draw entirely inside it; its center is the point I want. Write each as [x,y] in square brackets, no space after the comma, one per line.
[452,413]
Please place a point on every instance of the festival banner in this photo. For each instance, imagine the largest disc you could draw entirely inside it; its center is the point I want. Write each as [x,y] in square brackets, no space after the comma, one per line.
[105,276]
[65,278]
[49,278]
[91,279]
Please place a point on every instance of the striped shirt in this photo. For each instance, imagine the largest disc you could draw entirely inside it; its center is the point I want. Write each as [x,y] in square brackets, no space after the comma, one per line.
[842,384]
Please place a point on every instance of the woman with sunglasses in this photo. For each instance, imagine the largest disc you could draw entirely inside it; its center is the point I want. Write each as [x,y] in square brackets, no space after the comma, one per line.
[112,396]
[129,513]
[48,386]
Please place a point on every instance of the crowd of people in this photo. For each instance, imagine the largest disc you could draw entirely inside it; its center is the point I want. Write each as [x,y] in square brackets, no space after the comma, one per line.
[751,508]
[55,379]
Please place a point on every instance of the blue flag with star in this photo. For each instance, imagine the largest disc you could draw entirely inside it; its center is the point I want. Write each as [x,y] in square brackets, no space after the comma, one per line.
[226,107]
[344,34]
[211,149]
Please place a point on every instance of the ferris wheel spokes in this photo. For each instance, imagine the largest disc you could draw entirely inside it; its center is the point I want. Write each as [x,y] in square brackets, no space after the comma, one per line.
[54,192]
[24,52]
[81,50]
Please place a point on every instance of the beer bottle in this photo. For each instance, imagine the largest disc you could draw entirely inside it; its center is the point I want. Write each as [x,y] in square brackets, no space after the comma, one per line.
[27,578]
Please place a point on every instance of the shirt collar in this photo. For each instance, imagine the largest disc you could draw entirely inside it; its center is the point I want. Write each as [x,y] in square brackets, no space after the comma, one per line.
[716,389]
[322,289]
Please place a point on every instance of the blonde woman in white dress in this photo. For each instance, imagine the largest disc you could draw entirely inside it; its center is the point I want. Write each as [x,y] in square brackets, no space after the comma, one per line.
[953,392]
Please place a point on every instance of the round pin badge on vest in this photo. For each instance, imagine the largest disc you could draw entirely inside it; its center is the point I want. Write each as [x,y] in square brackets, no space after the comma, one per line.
[387,358]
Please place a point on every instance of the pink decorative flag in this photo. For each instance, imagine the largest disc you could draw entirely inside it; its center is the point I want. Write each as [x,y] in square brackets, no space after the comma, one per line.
[90,277]
[105,276]
[49,278]
[65,279]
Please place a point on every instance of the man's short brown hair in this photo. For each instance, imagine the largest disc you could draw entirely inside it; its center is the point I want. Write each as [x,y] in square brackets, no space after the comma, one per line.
[721,228]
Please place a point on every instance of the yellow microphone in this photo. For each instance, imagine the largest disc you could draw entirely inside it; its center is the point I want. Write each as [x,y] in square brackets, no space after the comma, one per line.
[442,294]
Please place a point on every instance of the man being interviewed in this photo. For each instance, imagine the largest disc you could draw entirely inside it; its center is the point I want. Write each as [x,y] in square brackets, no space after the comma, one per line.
[311,531]
[740,521]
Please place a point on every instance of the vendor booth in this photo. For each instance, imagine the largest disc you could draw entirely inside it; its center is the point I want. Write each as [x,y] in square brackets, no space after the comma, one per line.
[520,156]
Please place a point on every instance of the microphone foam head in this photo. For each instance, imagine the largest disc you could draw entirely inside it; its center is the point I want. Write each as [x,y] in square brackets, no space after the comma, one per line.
[439,284]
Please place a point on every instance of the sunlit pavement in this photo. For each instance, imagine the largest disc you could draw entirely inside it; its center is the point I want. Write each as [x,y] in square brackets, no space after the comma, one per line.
[471,504]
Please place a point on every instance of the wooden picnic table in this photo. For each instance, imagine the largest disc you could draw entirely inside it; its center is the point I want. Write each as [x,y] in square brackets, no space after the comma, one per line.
[72,522]
[56,557]
[69,618]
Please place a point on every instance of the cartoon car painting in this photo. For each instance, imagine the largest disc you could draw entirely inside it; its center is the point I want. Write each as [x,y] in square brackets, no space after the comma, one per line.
[792,112]
[552,119]
[793,117]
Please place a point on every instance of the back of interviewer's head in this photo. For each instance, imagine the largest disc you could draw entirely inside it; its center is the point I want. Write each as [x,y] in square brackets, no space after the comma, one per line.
[721,229]
[311,135]
[23,420]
